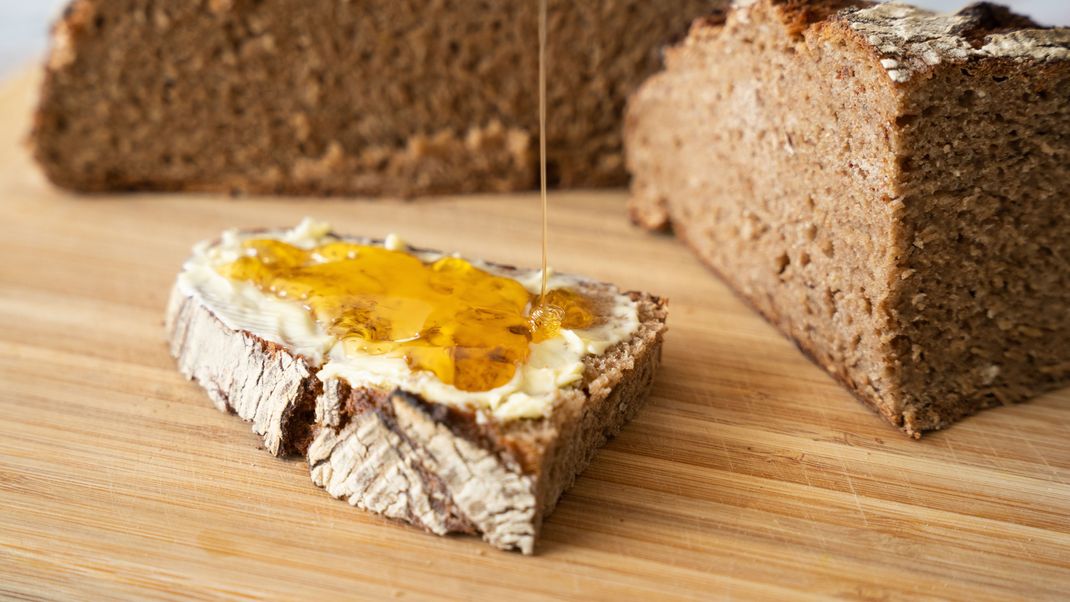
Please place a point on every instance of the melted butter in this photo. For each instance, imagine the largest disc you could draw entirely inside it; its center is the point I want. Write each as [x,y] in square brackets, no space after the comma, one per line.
[470,328]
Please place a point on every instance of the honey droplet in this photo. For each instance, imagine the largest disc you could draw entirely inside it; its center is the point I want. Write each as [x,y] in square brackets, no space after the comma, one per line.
[467,326]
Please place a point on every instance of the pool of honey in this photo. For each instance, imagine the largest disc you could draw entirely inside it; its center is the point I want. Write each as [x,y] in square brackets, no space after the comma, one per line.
[469,327]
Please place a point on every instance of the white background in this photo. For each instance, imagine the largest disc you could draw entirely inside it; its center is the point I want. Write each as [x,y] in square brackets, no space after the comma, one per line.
[24,23]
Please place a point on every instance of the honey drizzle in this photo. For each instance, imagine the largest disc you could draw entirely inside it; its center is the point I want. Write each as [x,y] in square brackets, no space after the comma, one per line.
[542,149]
[469,327]
[543,314]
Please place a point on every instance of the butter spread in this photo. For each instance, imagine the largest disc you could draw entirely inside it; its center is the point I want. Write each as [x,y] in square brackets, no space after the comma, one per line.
[455,331]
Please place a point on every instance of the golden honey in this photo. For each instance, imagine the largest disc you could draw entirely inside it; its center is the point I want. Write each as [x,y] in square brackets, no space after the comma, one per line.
[469,327]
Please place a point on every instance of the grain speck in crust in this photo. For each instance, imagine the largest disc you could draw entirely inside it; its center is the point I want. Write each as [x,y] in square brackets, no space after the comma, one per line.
[885,184]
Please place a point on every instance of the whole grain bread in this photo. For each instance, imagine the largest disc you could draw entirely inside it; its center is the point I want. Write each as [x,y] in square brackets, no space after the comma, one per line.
[342,96]
[416,460]
[886,185]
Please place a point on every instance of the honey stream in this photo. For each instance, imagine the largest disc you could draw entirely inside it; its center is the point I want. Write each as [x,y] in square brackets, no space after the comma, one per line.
[542,150]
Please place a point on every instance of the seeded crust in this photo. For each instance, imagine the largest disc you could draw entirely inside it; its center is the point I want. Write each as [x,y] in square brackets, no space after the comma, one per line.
[322,97]
[884,184]
[412,459]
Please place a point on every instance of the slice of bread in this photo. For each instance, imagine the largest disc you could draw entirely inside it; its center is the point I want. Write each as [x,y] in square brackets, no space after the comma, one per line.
[436,464]
[332,97]
[886,185]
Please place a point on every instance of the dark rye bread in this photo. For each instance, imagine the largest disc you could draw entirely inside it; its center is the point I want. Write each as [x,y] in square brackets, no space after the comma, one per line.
[886,185]
[413,459]
[343,96]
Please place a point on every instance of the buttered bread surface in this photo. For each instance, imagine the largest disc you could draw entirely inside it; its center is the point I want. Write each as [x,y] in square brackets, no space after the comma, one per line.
[457,331]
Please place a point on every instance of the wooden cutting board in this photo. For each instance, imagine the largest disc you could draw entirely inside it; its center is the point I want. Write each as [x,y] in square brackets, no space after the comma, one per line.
[749,474]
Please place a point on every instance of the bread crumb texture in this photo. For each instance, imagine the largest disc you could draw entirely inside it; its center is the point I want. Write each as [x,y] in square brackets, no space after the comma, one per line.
[373,97]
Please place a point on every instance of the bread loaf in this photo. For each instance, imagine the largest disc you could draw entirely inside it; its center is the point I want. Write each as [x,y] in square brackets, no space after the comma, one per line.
[370,97]
[886,185]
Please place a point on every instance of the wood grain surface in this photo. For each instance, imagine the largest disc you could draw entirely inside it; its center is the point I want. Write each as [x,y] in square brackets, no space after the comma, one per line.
[750,473]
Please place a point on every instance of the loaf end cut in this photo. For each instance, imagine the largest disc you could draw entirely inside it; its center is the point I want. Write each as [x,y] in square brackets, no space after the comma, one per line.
[886,185]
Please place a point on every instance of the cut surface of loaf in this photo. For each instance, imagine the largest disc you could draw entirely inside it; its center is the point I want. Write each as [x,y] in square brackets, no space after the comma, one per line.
[328,97]
[396,441]
[886,185]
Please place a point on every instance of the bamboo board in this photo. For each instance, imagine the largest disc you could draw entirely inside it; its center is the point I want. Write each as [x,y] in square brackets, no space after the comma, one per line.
[750,473]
